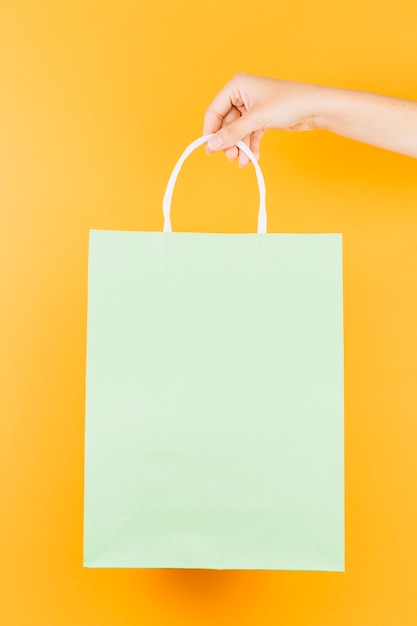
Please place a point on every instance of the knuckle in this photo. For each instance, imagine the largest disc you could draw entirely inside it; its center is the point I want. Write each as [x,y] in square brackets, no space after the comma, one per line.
[239,77]
[212,113]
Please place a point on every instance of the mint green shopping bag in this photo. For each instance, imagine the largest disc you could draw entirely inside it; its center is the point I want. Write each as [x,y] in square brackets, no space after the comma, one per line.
[214,402]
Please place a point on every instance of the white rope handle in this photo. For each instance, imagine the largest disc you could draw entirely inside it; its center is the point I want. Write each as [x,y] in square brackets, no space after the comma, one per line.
[166,204]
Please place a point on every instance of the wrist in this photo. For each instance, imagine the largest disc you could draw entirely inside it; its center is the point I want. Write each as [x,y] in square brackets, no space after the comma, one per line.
[327,108]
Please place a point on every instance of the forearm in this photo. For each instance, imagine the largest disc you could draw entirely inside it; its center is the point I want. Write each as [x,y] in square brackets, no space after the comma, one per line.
[382,121]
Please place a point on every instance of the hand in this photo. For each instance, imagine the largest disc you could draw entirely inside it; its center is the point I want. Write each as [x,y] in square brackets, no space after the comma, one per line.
[248,105]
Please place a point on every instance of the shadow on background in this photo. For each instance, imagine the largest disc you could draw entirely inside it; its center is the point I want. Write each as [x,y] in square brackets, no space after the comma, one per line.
[199,591]
[198,583]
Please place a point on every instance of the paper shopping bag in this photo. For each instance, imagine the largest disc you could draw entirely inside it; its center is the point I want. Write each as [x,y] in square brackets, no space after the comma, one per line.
[214,402]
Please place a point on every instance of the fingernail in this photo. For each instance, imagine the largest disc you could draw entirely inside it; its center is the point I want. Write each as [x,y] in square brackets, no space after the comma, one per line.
[215,142]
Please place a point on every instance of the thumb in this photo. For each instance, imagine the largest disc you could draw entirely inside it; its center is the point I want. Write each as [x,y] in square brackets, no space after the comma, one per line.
[229,135]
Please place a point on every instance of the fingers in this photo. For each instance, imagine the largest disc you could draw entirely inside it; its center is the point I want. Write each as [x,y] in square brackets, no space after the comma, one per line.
[240,128]
[220,114]
[232,115]
[216,115]
[226,108]
[256,142]
[252,140]
[233,152]
[243,159]
[218,109]
[229,120]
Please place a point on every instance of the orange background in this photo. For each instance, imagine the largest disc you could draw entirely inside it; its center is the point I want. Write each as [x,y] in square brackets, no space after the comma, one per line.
[97,101]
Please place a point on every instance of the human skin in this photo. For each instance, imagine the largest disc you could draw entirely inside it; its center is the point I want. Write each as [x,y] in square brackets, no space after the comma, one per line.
[249,105]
